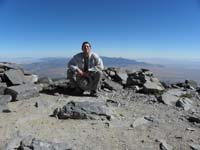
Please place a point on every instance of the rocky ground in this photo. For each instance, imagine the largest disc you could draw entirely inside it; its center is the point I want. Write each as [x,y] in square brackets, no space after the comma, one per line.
[137,113]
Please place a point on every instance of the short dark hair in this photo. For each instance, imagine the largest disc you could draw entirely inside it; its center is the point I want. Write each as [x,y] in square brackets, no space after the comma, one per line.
[86,42]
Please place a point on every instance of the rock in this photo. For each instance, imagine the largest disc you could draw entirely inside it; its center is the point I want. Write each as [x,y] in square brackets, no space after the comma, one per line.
[36,105]
[191,83]
[46,80]
[2,88]
[111,85]
[139,122]
[193,119]
[188,84]
[165,146]
[23,91]
[194,146]
[7,66]
[15,77]
[184,103]
[62,83]
[2,70]
[112,102]
[166,85]
[43,145]
[152,87]
[82,110]
[123,76]
[151,119]
[31,78]
[198,90]
[135,78]
[171,96]
[34,144]
[135,88]
[144,120]
[4,99]
[190,129]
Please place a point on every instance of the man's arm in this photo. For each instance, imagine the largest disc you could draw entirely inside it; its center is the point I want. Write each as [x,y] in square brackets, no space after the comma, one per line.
[99,62]
[73,65]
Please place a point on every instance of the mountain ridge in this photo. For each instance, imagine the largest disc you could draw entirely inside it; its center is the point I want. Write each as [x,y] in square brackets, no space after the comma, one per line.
[56,66]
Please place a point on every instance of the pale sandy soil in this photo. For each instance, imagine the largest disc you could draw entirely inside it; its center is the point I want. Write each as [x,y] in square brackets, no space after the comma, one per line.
[116,134]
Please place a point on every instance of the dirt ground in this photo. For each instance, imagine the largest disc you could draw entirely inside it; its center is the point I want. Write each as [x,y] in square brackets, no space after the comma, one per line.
[122,132]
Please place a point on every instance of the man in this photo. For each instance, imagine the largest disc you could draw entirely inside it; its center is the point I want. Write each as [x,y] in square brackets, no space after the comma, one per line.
[85,70]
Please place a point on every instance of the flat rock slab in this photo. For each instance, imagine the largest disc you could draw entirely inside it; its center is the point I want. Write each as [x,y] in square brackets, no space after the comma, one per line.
[171,96]
[111,85]
[15,77]
[82,110]
[23,91]
[35,144]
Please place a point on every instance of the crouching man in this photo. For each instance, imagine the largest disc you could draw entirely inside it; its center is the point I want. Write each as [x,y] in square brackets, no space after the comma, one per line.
[85,71]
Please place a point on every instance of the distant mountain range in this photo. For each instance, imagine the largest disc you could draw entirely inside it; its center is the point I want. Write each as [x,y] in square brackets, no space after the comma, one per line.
[170,70]
[56,66]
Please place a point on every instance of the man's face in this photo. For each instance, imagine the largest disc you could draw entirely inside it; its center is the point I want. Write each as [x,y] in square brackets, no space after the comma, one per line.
[86,49]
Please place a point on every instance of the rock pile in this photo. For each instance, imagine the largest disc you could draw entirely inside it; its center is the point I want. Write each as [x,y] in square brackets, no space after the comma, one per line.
[143,81]
[15,84]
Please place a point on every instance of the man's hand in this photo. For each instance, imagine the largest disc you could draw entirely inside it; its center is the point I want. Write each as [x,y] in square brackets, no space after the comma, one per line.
[81,73]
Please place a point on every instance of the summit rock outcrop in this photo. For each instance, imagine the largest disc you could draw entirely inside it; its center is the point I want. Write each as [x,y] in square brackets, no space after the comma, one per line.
[134,110]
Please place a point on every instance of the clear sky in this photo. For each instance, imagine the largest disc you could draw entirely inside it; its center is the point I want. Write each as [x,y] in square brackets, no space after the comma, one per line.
[119,28]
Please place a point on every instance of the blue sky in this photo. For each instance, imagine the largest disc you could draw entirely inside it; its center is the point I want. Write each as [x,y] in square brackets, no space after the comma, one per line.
[119,28]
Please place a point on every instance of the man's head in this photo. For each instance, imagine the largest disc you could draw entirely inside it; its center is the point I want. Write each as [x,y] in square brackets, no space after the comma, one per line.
[86,48]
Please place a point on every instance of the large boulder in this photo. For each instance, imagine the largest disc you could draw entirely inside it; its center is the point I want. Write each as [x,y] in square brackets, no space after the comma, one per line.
[15,77]
[23,91]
